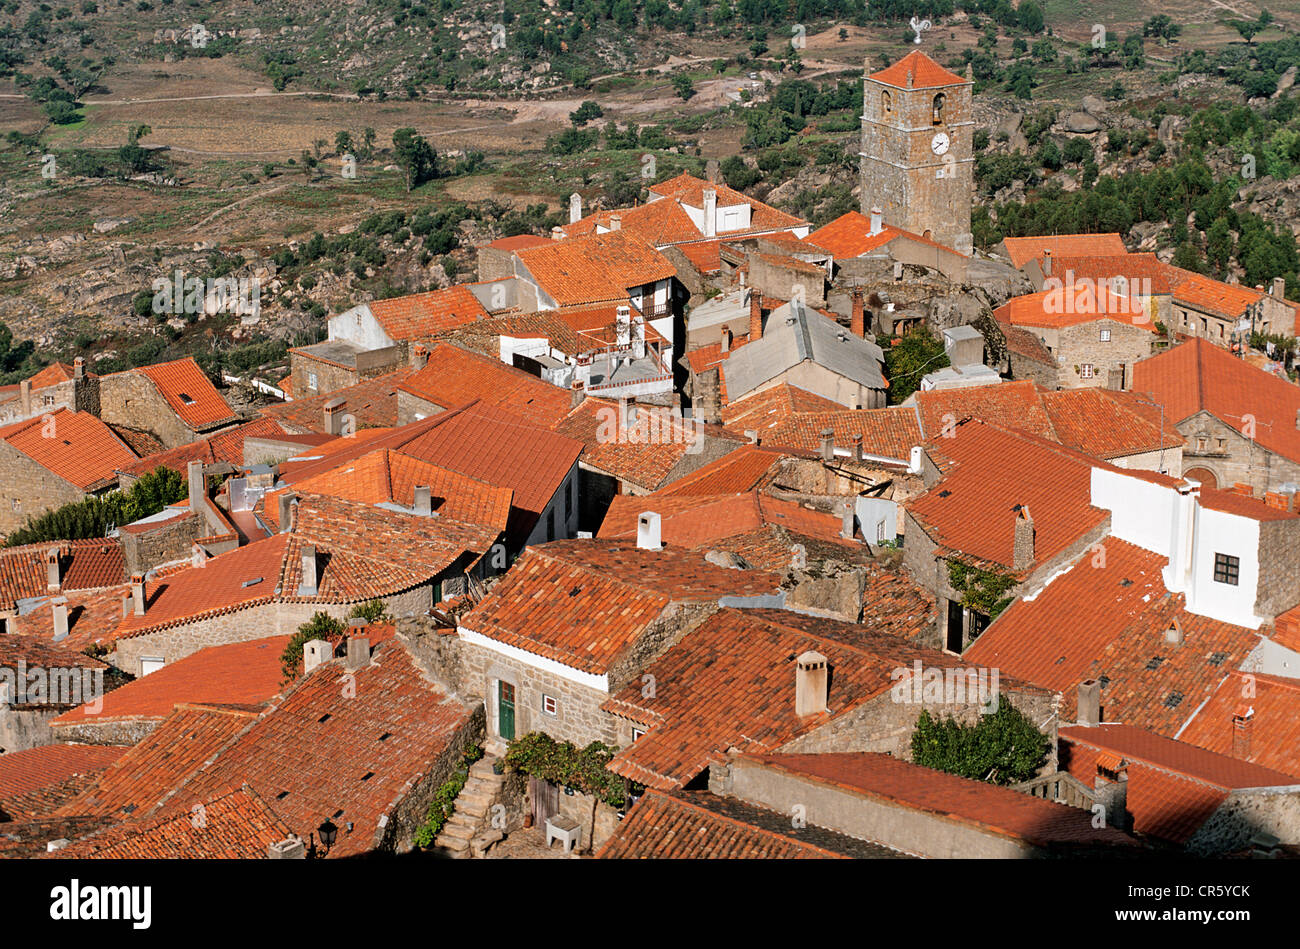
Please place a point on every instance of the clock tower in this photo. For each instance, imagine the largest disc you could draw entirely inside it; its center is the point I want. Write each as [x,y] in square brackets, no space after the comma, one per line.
[917,149]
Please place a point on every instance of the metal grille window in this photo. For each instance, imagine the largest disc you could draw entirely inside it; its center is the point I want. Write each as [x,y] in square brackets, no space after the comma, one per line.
[1085,371]
[1226,569]
[1105,336]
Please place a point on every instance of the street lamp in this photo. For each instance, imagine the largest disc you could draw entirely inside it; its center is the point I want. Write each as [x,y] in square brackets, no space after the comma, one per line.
[328,833]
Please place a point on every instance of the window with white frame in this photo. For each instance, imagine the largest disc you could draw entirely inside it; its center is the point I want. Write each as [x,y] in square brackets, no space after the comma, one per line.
[549,705]
[311,381]
[1105,336]
[1086,371]
[637,734]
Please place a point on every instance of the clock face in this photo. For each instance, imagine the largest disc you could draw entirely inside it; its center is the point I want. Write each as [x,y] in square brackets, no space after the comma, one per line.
[939,144]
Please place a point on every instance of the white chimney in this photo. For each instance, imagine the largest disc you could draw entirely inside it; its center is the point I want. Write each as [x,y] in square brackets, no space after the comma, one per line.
[308,585]
[198,486]
[627,412]
[638,337]
[648,531]
[914,465]
[575,208]
[54,573]
[877,221]
[286,502]
[423,500]
[314,652]
[333,416]
[623,327]
[198,555]
[615,222]
[710,212]
[59,609]
[1089,704]
[810,683]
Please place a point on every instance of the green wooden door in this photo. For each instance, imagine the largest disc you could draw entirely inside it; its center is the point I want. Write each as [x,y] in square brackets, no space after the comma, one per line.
[506,710]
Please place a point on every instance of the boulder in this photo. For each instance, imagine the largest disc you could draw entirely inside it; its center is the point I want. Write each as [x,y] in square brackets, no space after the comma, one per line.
[1081,123]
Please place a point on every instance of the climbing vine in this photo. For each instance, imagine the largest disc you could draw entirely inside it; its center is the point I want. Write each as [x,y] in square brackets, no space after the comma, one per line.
[443,804]
[563,763]
[981,590]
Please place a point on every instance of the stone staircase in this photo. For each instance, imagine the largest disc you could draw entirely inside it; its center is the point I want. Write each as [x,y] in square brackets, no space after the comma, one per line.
[468,831]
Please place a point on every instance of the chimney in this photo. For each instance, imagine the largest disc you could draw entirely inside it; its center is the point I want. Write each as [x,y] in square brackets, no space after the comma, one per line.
[857,448]
[627,412]
[1090,703]
[1112,795]
[420,356]
[810,682]
[1241,728]
[358,646]
[828,444]
[848,526]
[307,586]
[423,500]
[623,327]
[198,555]
[291,848]
[648,531]
[1022,556]
[638,337]
[711,171]
[137,594]
[25,396]
[287,501]
[333,416]
[59,608]
[710,212]
[198,487]
[1174,634]
[557,233]
[755,314]
[615,222]
[127,600]
[877,221]
[314,652]
[725,345]
[1047,263]
[575,208]
[1278,290]
[79,368]
[53,570]
[752,435]
[858,323]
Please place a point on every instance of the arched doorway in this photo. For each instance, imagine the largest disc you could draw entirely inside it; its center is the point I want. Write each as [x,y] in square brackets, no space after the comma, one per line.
[1204,475]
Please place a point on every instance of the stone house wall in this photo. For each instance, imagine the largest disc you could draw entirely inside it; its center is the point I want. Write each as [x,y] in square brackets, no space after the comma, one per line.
[1244,814]
[29,489]
[131,399]
[1230,457]
[1279,566]
[164,544]
[1081,345]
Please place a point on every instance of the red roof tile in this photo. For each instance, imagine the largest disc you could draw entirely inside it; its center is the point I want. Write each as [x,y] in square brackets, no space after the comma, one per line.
[1205,293]
[424,314]
[917,71]
[452,377]
[887,432]
[372,403]
[190,393]
[643,455]
[517,242]
[1270,707]
[849,236]
[1022,250]
[595,269]
[1072,305]
[32,780]
[75,446]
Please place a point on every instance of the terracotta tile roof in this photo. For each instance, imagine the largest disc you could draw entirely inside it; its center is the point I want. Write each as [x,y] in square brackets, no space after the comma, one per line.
[1120,614]
[190,393]
[30,839]
[93,618]
[453,377]
[517,242]
[1143,273]
[765,410]
[426,314]
[985,806]
[373,403]
[1108,424]
[235,825]
[732,688]
[244,674]
[224,446]
[598,268]
[1071,306]
[1027,343]
[917,71]
[894,603]
[484,337]
[34,654]
[656,222]
[971,512]
[1271,707]
[53,374]
[696,825]
[1022,250]
[147,772]
[887,432]
[786,262]
[1173,787]
[689,190]
[86,564]
[584,603]
[849,236]
[703,255]
[75,446]
[351,756]
[635,455]
[36,781]
[741,470]
[1015,405]
[1197,375]
[1204,293]
[387,476]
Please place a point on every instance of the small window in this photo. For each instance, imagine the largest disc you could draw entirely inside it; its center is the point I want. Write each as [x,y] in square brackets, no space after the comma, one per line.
[186,398]
[637,735]
[886,103]
[1105,336]
[150,664]
[880,532]
[550,524]
[1221,443]
[549,704]
[47,400]
[311,381]
[17,504]
[1202,444]
[1227,569]
[1086,371]
[939,100]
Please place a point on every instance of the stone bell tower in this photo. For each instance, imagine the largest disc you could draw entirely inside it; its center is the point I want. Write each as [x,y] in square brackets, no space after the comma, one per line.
[917,155]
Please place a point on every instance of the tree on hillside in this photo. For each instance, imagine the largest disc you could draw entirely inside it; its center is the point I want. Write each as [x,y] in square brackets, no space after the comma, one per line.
[415,156]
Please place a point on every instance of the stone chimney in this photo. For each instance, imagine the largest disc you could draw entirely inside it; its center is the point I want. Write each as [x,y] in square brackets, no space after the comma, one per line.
[137,594]
[616,222]
[1047,263]
[638,337]
[1278,289]
[287,501]
[557,233]
[1089,712]
[198,555]
[419,356]
[725,345]
[291,848]
[857,448]
[848,525]
[858,321]
[627,412]
[127,601]
[1022,555]
[711,171]
[828,444]
[333,416]
[755,314]
[575,208]
[710,212]
[59,609]
[308,585]
[810,683]
[877,221]
[79,368]
[1241,729]
[648,536]
[25,396]
[198,486]
[315,652]
[358,646]
[423,500]
[53,570]
[1112,794]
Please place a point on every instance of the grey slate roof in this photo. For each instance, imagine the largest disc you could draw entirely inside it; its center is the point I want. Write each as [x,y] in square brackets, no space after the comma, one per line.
[793,334]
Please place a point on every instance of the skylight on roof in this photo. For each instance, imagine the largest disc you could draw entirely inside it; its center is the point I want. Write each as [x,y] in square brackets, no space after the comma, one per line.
[185,397]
